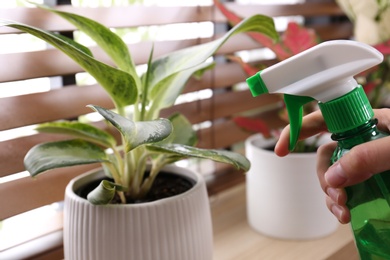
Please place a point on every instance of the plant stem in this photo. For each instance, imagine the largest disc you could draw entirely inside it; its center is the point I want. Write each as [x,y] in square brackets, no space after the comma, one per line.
[122,197]
[148,182]
[139,171]
[115,175]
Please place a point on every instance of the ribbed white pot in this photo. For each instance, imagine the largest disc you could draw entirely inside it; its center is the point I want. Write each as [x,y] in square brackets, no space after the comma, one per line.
[174,228]
[284,197]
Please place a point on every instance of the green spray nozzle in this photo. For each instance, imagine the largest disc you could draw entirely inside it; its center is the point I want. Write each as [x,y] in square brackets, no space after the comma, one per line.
[257,85]
[294,105]
[323,73]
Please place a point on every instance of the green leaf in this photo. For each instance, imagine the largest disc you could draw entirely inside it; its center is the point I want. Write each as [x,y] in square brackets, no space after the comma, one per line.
[182,133]
[165,93]
[137,133]
[235,159]
[145,89]
[79,130]
[47,156]
[104,193]
[110,42]
[189,57]
[119,84]
[75,44]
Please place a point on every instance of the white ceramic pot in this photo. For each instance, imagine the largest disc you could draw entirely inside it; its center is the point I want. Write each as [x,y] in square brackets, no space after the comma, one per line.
[174,228]
[284,197]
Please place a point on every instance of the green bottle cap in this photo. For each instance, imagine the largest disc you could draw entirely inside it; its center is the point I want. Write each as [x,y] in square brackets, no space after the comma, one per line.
[347,112]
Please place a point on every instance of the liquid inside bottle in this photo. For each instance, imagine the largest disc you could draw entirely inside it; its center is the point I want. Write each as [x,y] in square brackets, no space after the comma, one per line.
[369,201]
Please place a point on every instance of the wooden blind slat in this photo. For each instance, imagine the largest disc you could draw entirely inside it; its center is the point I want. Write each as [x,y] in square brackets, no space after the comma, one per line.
[305,9]
[134,16]
[334,31]
[222,105]
[225,134]
[57,104]
[29,193]
[117,17]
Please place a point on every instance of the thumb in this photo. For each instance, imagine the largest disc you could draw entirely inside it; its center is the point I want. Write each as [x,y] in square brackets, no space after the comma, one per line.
[360,163]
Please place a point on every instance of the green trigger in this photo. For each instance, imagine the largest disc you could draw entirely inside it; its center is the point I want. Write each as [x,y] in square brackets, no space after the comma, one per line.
[294,105]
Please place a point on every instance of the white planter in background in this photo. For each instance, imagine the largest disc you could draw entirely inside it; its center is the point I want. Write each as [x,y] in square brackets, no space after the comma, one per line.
[284,197]
[174,228]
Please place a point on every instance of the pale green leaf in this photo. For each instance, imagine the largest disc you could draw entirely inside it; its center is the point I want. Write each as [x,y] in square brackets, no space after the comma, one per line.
[47,156]
[75,44]
[189,57]
[165,93]
[235,159]
[119,84]
[110,42]
[104,193]
[145,89]
[137,133]
[79,130]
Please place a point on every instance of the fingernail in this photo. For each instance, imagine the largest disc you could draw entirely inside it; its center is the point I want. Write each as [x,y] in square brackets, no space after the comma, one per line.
[335,175]
[337,211]
[333,194]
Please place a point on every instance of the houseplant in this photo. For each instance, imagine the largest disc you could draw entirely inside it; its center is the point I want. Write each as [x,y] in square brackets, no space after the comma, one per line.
[148,144]
[284,198]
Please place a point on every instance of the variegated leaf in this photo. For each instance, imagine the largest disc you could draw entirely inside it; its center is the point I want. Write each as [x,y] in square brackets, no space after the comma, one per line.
[137,133]
[79,130]
[47,156]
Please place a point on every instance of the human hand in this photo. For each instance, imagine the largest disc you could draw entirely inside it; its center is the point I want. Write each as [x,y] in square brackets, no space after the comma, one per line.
[359,164]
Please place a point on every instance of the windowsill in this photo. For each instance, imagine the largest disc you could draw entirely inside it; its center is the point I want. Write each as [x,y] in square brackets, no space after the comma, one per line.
[233,238]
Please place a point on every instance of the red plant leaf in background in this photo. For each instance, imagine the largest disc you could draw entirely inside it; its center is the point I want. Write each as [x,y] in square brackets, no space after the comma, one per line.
[249,69]
[232,17]
[369,86]
[235,19]
[253,125]
[295,39]
[383,47]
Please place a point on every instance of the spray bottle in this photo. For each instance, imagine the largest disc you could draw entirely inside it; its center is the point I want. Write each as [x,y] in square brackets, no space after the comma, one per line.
[325,73]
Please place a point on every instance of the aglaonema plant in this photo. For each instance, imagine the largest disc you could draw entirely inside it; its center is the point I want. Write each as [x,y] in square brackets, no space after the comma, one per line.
[147,139]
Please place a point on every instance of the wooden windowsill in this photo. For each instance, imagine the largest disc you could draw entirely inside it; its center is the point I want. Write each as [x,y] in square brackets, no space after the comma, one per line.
[234,239]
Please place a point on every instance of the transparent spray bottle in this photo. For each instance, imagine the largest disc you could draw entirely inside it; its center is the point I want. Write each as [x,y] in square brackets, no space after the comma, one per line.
[325,73]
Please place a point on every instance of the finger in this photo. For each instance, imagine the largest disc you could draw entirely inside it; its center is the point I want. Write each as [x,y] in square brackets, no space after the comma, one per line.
[383,116]
[282,145]
[312,124]
[324,154]
[341,212]
[359,164]
[338,196]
